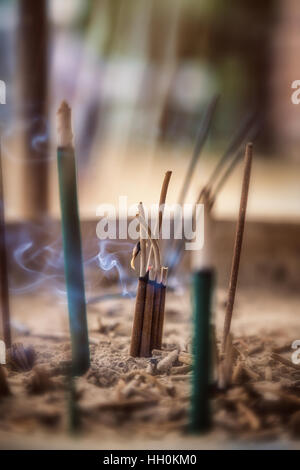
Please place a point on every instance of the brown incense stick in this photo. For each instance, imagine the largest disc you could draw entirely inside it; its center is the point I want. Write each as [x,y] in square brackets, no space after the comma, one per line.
[162,201]
[138,317]
[238,244]
[141,292]
[163,195]
[143,243]
[3,268]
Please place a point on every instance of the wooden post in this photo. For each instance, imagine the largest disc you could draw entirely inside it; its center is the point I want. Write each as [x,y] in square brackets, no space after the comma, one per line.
[32,73]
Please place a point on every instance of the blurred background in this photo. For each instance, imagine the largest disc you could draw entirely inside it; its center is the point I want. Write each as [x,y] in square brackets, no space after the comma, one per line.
[138,75]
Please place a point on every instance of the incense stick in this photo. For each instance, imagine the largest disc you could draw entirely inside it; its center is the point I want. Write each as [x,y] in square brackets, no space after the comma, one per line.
[155,317]
[148,311]
[161,206]
[72,243]
[138,317]
[202,294]
[143,243]
[141,293]
[3,266]
[161,317]
[238,244]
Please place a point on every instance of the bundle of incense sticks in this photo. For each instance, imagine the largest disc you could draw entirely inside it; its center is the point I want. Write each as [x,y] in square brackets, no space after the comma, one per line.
[147,331]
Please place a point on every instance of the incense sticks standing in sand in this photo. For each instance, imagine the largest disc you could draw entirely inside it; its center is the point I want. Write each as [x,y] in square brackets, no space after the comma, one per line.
[3,267]
[238,244]
[148,321]
[72,243]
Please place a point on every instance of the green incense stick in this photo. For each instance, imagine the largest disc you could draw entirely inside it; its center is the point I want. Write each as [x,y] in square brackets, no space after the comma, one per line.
[74,418]
[72,245]
[200,406]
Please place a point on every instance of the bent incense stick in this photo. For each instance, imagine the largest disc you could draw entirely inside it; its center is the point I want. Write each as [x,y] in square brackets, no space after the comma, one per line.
[161,206]
[202,287]
[72,243]
[3,267]
[238,244]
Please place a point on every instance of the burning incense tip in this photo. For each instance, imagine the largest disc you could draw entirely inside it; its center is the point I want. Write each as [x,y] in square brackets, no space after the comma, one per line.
[64,126]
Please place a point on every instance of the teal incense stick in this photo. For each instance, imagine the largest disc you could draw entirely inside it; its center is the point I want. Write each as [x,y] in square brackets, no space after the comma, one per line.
[74,418]
[202,293]
[200,415]
[72,243]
